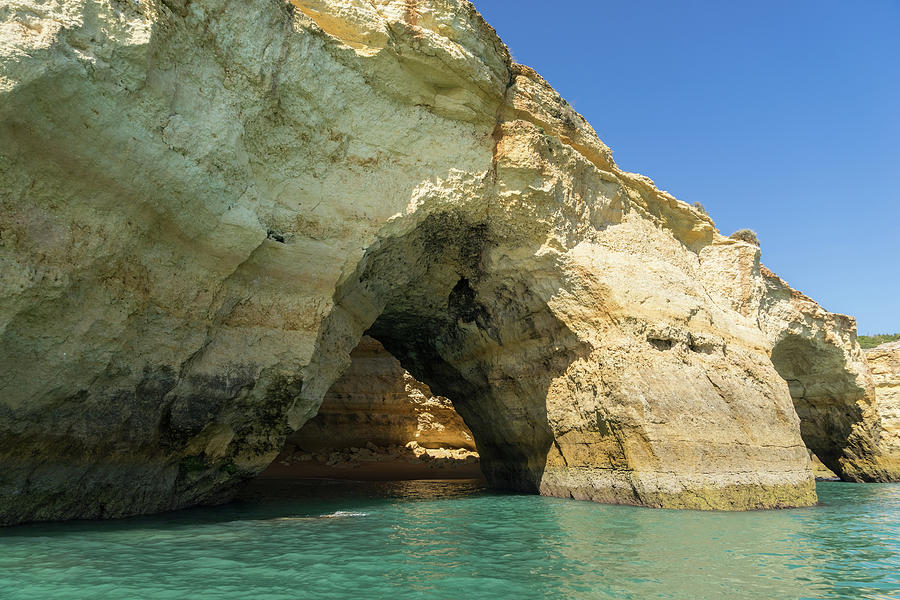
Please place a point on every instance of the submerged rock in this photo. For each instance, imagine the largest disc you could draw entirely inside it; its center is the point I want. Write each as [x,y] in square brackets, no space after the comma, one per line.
[206,204]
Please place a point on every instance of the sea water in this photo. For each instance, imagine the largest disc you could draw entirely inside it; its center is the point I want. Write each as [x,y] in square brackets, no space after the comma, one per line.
[456,540]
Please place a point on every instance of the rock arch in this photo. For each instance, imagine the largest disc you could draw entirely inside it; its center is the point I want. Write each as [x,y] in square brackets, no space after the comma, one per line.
[471,324]
[817,354]
[483,315]
[181,286]
[830,402]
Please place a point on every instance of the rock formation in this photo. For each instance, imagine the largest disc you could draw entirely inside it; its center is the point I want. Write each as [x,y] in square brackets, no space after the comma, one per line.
[369,462]
[376,412]
[377,401]
[884,365]
[816,352]
[821,472]
[829,380]
[205,204]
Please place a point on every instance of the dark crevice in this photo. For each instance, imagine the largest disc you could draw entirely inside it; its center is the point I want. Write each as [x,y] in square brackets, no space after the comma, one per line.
[272,235]
[660,344]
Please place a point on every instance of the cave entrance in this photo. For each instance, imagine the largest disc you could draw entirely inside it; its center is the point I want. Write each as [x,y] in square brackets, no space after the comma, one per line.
[465,308]
[828,400]
[377,422]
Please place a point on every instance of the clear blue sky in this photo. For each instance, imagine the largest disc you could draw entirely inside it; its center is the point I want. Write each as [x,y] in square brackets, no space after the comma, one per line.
[780,116]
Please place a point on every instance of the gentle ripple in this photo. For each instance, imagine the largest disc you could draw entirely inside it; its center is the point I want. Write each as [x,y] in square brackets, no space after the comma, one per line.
[455,540]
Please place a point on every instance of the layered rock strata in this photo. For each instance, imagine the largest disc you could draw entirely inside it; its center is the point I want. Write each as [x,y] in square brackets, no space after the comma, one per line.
[205,205]
[378,421]
[374,463]
[816,352]
[884,365]
[377,401]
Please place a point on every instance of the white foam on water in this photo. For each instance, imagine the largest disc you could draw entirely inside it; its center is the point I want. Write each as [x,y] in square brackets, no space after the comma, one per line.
[340,514]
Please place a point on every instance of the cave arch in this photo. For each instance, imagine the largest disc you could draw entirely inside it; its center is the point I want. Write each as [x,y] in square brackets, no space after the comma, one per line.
[471,324]
[830,401]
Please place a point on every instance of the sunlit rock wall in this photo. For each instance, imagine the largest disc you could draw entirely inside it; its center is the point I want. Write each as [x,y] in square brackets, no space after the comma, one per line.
[884,365]
[376,401]
[817,354]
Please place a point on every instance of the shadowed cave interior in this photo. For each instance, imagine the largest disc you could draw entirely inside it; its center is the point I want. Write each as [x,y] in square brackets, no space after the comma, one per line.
[826,397]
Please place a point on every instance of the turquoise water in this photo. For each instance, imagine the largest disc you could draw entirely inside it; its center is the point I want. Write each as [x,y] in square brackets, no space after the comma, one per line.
[455,540]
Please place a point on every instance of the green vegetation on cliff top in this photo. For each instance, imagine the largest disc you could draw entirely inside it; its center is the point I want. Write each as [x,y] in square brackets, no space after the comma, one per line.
[870,341]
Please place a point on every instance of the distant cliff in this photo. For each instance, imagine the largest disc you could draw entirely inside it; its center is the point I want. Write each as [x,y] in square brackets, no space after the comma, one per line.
[884,364]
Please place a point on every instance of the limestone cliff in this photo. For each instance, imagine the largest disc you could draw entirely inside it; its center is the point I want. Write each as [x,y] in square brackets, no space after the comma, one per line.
[816,352]
[205,204]
[884,365]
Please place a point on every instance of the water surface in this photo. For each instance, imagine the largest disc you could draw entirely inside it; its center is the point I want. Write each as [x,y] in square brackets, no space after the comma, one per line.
[454,540]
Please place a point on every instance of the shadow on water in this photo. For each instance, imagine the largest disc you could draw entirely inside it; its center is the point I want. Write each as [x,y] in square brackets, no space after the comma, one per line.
[276,499]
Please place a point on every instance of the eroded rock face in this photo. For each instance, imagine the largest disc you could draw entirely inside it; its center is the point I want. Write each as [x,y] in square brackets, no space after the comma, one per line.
[206,204]
[816,352]
[884,365]
[376,401]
